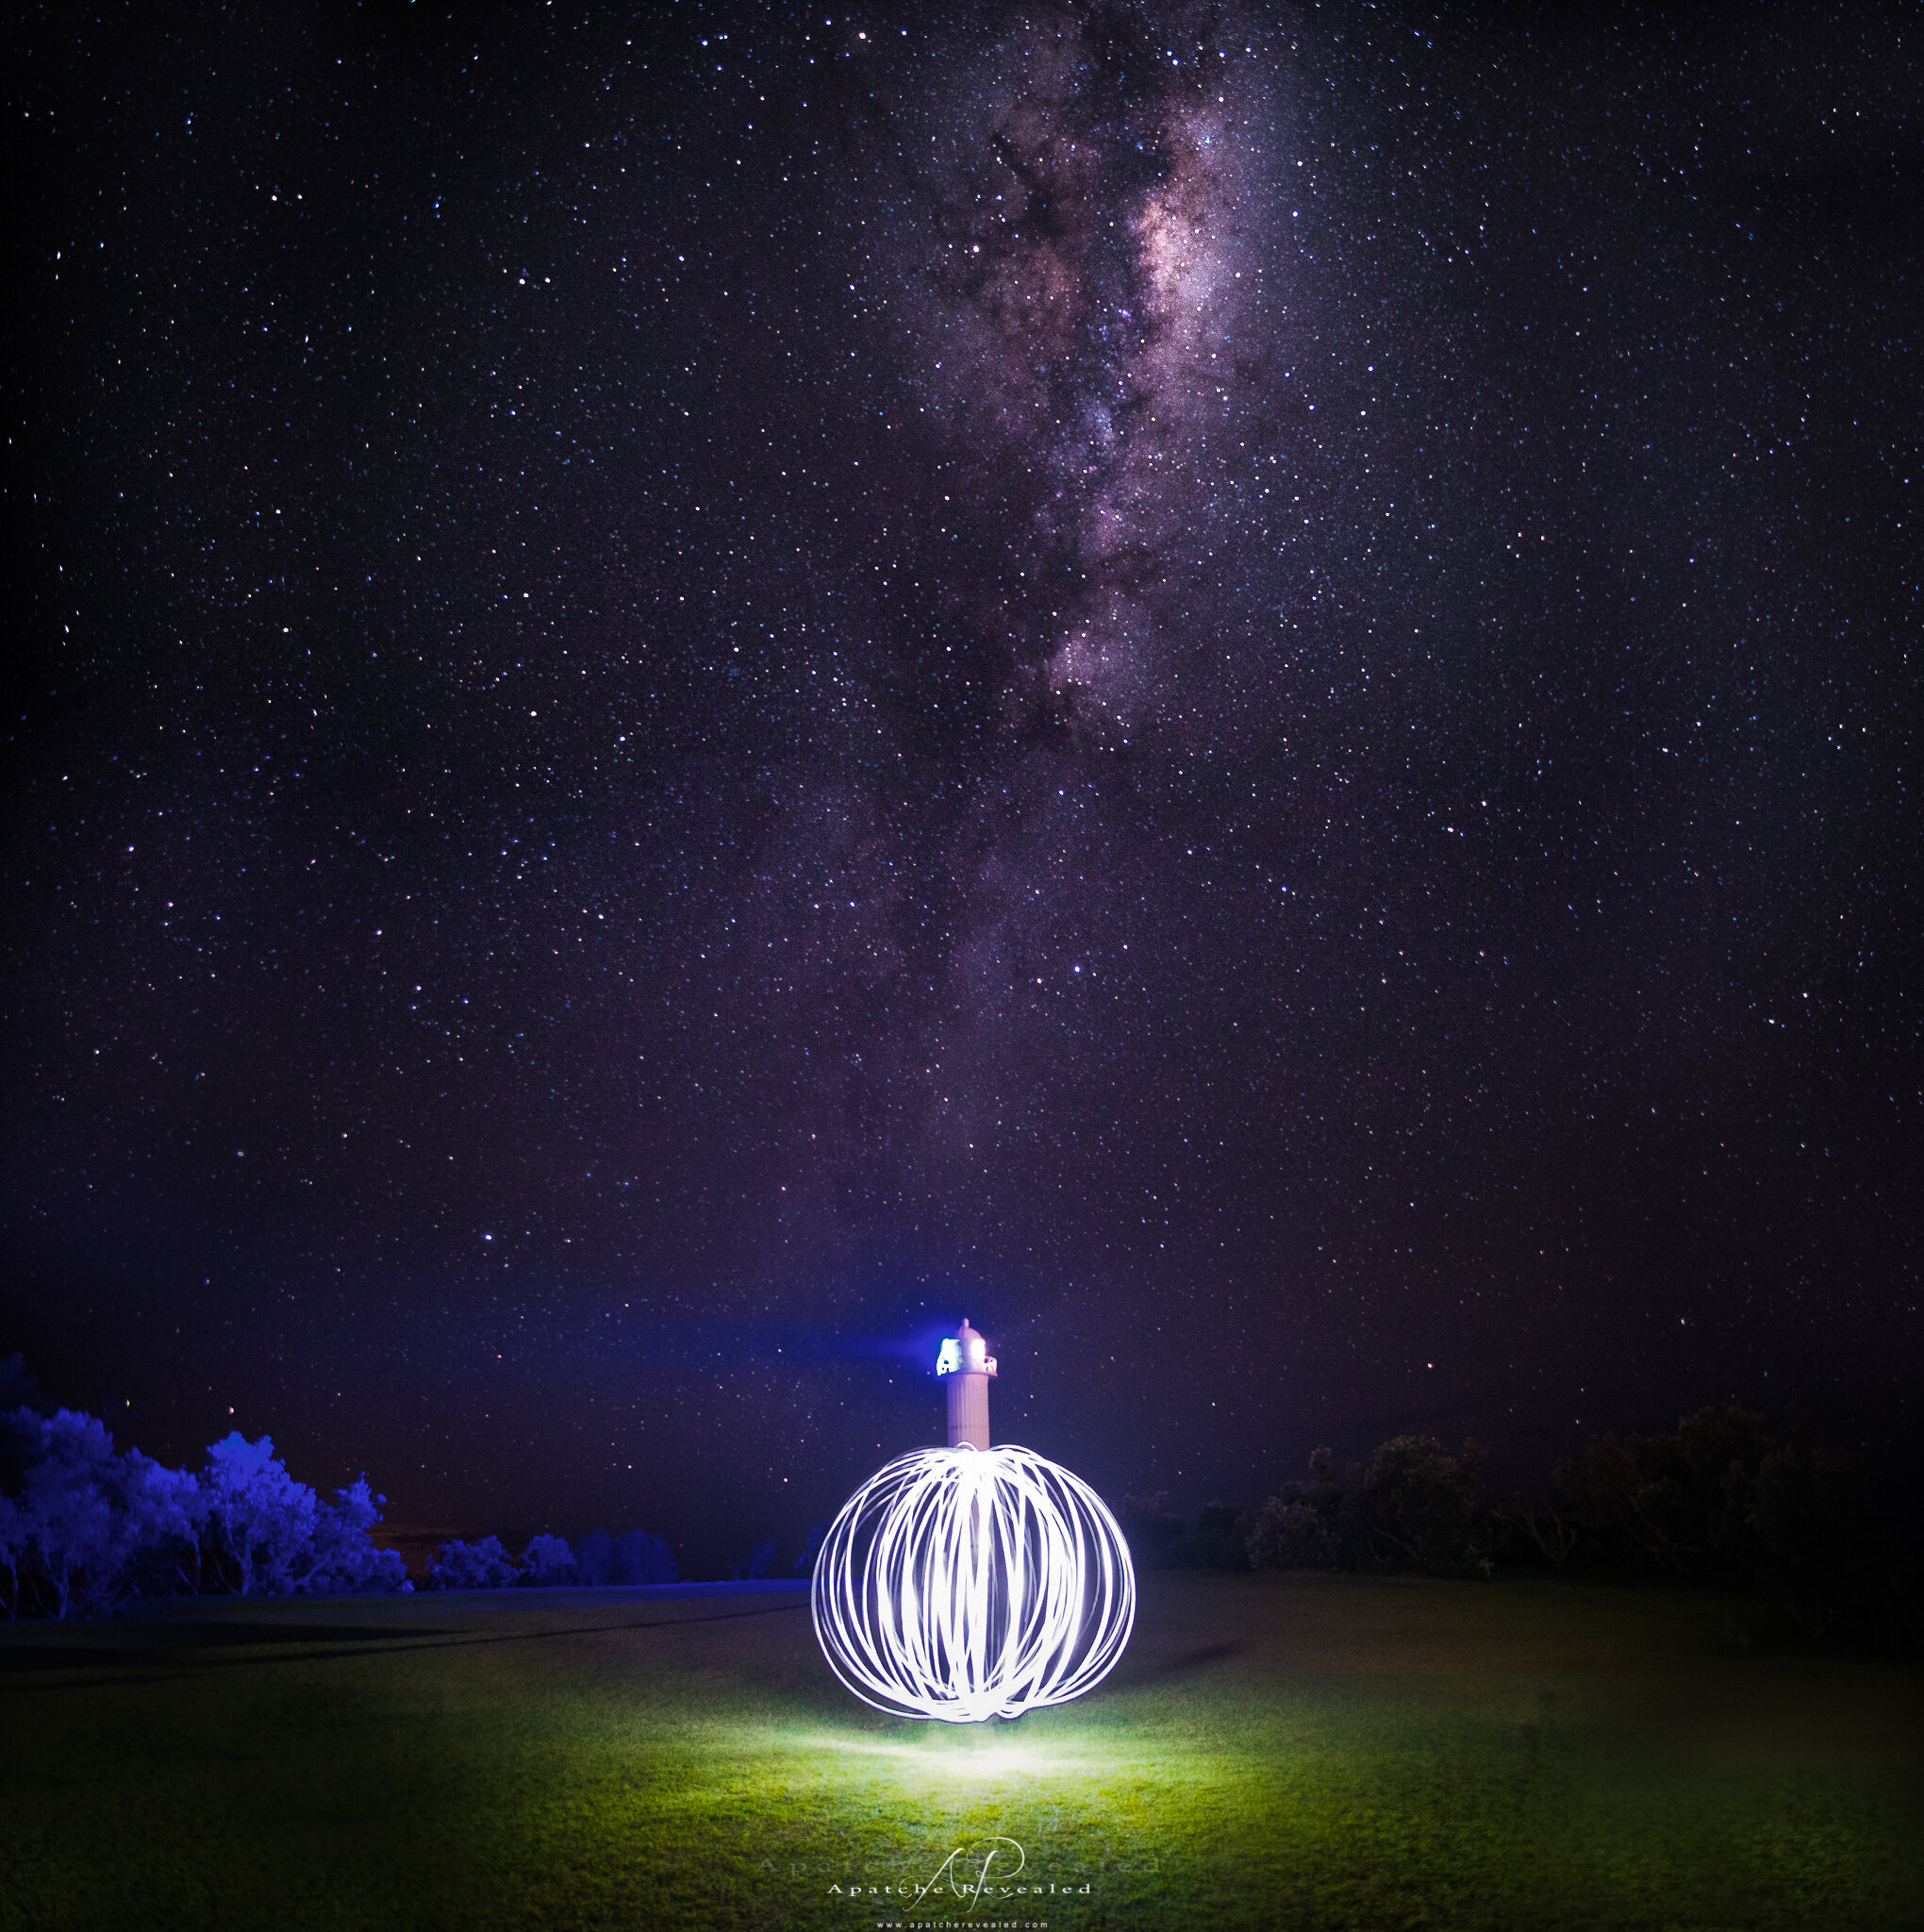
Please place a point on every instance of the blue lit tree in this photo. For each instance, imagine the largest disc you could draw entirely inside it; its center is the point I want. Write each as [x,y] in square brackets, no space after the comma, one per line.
[548,1561]
[346,1560]
[485,1565]
[261,1521]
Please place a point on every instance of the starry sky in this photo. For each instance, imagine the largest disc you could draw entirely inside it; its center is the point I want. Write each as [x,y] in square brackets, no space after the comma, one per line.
[697,688]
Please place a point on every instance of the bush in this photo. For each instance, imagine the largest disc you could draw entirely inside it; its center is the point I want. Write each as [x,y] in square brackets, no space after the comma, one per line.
[1420,1505]
[1728,1498]
[1413,1506]
[811,1547]
[548,1561]
[459,1565]
[639,1557]
[1149,1528]
[1677,1504]
[760,1561]
[1219,1540]
[1288,1534]
[92,1529]
[87,1520]
[346,1560]
[261,1521]
[1316,1524]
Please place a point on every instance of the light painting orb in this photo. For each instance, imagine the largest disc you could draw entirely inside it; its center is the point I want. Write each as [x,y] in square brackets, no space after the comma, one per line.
[964,1584]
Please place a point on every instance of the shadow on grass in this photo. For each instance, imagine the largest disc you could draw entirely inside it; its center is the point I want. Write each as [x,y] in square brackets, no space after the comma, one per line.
[1186,1665]
[185,1649]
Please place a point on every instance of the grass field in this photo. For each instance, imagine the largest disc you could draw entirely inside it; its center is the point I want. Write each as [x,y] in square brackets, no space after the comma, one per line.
[1315,1752]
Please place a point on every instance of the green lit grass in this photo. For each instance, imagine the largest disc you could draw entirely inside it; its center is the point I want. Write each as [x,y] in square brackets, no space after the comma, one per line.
[1297,1752]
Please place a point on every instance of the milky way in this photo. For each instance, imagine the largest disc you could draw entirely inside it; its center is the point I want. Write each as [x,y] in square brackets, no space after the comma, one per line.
[1087,347]
[1232,689]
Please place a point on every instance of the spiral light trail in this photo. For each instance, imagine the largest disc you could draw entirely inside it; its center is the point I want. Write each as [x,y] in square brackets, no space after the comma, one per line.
[964,1584]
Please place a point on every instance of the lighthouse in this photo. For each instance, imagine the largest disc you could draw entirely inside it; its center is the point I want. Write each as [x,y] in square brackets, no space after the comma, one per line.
[966,1361]
[968,1586]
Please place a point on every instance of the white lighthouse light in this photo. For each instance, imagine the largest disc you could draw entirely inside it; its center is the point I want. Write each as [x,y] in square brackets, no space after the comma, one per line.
[966,1364]
[970,1582]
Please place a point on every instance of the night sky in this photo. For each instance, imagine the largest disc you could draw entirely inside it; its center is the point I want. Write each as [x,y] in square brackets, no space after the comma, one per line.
[694,690]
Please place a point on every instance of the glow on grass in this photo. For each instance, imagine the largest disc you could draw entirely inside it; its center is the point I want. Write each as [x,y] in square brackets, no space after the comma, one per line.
[1000,1760]
[963,1584]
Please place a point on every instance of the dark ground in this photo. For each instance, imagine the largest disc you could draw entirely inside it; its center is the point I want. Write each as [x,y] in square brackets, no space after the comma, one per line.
[1314,1752]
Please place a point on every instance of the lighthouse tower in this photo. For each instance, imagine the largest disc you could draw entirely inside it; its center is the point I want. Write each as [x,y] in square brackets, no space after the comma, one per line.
[966,1361]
